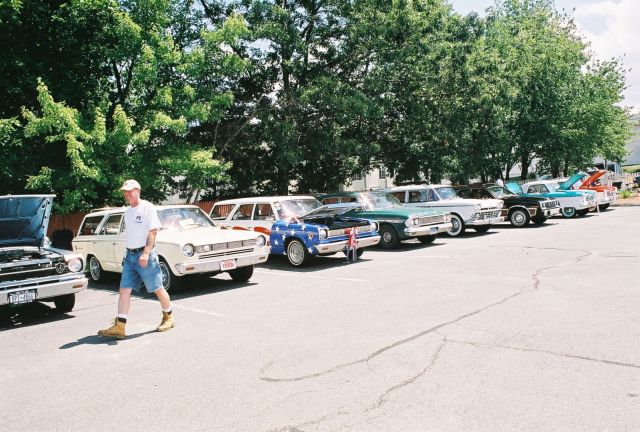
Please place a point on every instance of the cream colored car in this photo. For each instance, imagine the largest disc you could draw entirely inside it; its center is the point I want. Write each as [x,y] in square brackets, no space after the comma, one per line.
[188,244]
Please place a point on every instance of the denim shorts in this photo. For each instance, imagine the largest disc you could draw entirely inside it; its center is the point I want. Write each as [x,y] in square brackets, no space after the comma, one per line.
[133,274]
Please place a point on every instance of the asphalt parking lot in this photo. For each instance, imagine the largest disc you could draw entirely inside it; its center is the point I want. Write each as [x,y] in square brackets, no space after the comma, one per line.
[517,329]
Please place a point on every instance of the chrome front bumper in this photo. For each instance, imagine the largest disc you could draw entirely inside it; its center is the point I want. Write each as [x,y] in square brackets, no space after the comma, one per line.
[551,212]
[213,265]
[427,229]
[480,222]
[339,246]
[45,289]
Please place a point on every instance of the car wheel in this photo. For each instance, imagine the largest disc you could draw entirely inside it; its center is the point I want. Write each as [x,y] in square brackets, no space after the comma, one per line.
[539,220]
[170,282]
[482,228]
[457,226]
[65,303]
[242,274]
[95,269]
[519,218]
[388,237]
[568,212]
[604,206]
[427,239]
[582,212]
[297,253]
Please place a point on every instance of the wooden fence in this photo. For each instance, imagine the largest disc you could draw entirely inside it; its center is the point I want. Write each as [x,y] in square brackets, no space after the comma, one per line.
[72,221]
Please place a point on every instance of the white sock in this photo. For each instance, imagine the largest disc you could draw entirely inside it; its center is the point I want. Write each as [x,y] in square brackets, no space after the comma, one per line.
[167,310]
[121,316]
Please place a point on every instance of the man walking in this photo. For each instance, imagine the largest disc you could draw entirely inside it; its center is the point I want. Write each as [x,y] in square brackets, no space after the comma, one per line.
[140,263]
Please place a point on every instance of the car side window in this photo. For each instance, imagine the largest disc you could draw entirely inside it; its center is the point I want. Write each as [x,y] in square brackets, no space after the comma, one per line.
[112,225]
[263,212]
[431,195]
[221,211]
[400,195]
[330,200]
[243,213]
[543,189]
[90,225]
[414,196]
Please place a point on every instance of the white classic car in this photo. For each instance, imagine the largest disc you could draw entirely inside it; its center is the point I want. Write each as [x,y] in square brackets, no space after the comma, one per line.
[188,243]
[465,212]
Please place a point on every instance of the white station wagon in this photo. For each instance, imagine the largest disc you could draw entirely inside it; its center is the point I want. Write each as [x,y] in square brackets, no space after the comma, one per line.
[465,212]
[188,243]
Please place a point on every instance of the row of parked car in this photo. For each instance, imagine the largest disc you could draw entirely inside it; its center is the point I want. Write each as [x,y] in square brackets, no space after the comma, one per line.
[240,233]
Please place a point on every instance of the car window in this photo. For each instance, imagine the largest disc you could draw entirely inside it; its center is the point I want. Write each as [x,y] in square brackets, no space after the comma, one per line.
[90,225]
[533,189]
[330,200]
[243,212]
[112,225]
[415,196]
[400,195]
[543,189]
[431,195]
[263,212]
[221,211]
[182,218]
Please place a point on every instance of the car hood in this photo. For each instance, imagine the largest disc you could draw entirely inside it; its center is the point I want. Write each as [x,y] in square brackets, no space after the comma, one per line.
[203,236]
[472,202]
[593,177]
[557,194]
[572,180]
[400,211]
[24,219]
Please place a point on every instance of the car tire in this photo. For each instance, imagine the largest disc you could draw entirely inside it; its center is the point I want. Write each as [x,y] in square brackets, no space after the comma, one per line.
[170,282]
[539,220]
[297,253]
[388,237]
[427,239]
[457,226]
[242,274]
[519,218]
[604,206]
[482,228]
[582,213]
[95,269]
[65,303]
[568,212]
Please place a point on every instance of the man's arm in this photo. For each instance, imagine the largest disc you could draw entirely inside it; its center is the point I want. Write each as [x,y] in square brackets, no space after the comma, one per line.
[151,241]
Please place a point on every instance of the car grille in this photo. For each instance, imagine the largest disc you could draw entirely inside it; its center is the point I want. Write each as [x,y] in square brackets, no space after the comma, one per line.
[341,232]
[610,194]
[431,220]
[551,204]
[225,253]
[233,245]
[19,271]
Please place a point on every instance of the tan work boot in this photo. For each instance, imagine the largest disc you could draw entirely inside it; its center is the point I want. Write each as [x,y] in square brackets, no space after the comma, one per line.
[167,322]
[115,331]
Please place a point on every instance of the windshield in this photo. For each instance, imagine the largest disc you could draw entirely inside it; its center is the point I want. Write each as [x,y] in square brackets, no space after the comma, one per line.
[499,192]
[377,200]
[295,207]
[331,210]
[446,193]
[183,218]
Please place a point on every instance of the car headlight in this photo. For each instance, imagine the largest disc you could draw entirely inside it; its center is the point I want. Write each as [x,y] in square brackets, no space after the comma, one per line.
[374,226]
[187,250]
[447,217]
[74,265]
[323,233]
[261,241]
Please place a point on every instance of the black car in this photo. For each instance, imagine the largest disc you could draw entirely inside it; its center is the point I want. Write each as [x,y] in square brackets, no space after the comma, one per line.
[519,210]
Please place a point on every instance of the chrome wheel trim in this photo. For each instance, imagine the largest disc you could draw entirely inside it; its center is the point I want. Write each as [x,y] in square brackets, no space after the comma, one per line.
[518,218]
[94,268]
[568,212]
[295,252]
[387,237]
[456,226]
[166,279]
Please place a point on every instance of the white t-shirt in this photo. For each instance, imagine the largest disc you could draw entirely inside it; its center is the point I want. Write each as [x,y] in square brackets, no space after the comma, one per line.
[139,220]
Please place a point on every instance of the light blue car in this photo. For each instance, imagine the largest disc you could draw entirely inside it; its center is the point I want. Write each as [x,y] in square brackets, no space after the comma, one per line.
[572,202]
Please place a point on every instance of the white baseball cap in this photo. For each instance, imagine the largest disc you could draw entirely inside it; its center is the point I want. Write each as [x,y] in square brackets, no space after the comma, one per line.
[130,185]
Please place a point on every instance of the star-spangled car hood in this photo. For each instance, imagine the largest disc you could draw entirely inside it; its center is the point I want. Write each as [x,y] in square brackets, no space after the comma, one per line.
[24,219]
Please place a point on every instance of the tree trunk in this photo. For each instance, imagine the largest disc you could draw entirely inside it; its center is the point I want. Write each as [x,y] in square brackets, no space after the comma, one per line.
[524,161]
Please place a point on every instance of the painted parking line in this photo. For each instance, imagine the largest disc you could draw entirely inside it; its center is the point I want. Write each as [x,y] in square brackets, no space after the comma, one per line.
[299,274]
[192,309]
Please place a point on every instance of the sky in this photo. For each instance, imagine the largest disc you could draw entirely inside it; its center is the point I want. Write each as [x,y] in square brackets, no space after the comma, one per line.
[611,26]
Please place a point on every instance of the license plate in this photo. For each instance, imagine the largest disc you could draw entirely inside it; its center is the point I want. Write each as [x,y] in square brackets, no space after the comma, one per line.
[227,265]
[20,297]
[433,230]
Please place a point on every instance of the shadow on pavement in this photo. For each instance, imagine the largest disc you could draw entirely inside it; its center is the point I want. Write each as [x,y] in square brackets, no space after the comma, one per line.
[100,340]
[29,314]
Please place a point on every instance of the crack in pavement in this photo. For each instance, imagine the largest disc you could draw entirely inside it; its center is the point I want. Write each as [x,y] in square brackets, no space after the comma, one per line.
[536,283]
[383,397]
[543,351]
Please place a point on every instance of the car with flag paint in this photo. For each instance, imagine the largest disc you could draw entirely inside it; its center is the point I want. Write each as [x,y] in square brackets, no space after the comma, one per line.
[397,222]
[572,202]
[188,243]
[465,212]
[31,269]
[298,226]
[605,195]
